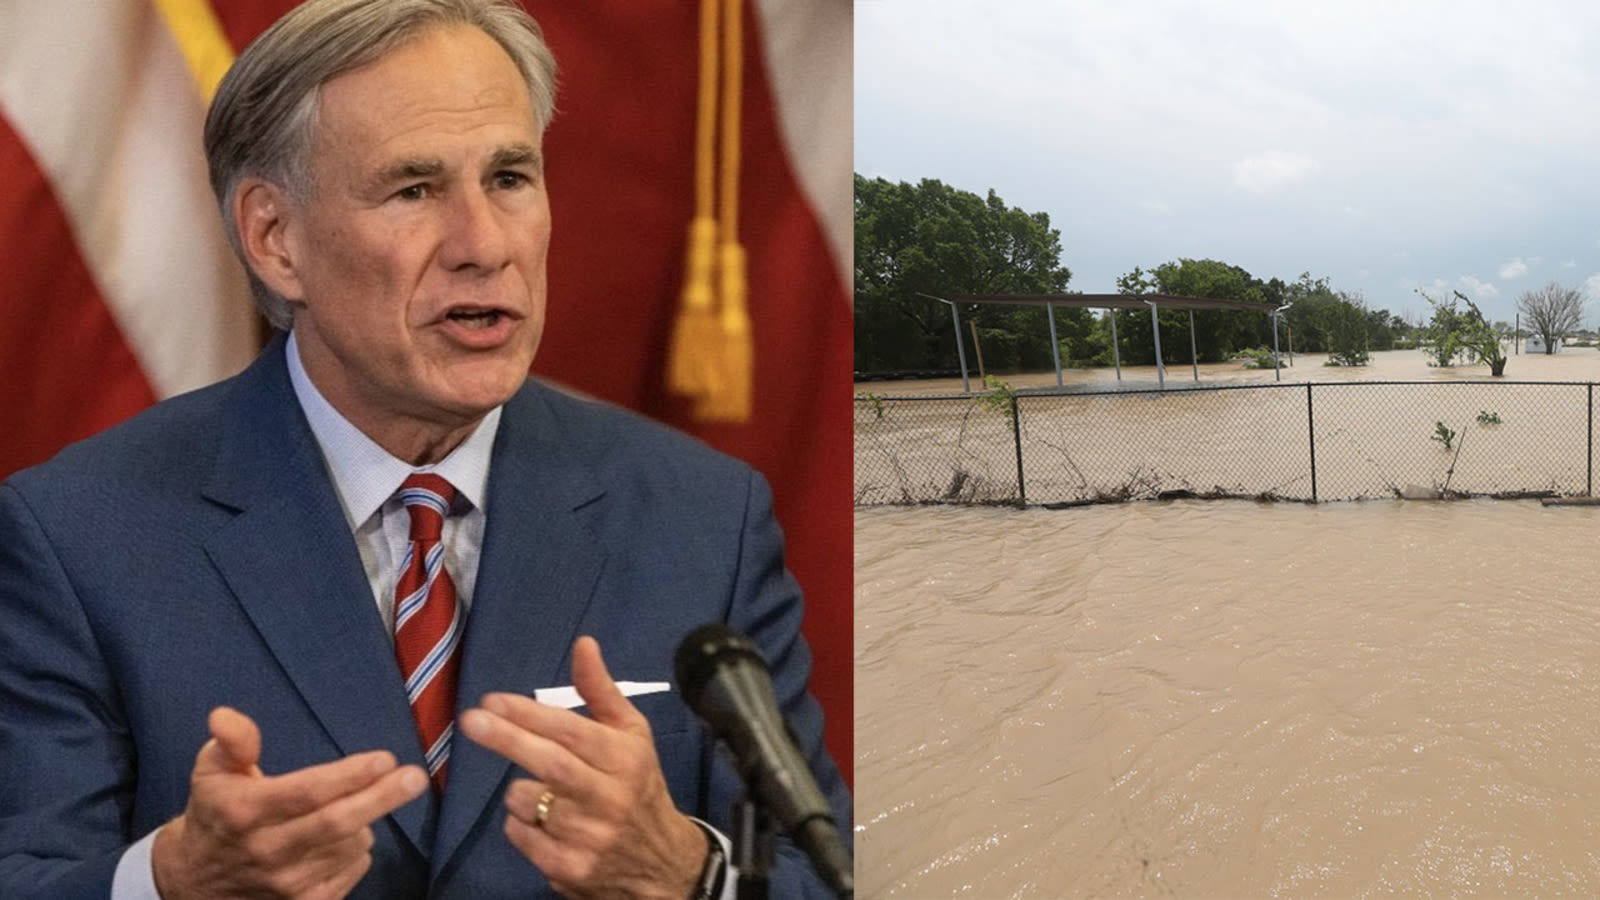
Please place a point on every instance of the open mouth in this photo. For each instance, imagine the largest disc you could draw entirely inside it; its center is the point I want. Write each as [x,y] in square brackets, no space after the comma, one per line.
[485,318]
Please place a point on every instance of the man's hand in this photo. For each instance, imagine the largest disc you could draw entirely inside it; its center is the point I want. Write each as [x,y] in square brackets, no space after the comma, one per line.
[304,834]
[612,827]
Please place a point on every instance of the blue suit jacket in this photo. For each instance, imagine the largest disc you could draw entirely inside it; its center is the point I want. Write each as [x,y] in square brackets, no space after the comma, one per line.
[197,556]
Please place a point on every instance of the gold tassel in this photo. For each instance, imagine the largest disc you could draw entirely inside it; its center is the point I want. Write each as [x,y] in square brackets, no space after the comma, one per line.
[693,364]
[712,355]
[730,400]
[693,368]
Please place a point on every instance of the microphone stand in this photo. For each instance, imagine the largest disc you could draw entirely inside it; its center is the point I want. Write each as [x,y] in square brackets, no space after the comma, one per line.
[752,848]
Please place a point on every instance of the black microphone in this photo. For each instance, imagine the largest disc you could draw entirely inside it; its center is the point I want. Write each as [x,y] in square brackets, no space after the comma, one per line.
[725,681]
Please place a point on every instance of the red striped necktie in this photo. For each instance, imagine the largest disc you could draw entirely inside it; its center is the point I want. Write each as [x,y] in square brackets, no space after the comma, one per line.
[428,621]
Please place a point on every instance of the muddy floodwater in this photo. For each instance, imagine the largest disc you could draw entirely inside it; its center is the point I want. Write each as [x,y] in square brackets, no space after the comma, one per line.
[1229,699]
[1571,364]
[1344,438]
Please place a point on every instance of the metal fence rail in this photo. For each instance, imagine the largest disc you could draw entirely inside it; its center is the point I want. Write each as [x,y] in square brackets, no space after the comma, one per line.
[1307,442]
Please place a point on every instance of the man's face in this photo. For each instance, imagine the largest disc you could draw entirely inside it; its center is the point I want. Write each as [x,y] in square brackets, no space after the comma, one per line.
[420,256]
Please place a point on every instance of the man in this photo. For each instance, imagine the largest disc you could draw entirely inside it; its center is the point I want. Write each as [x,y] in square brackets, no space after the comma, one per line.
[280,636]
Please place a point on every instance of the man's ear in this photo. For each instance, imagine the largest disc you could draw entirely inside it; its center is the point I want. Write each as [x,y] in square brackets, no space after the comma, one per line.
[265,216]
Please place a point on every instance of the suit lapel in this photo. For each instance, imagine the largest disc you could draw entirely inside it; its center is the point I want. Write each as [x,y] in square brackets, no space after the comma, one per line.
[292,564]
[536,578]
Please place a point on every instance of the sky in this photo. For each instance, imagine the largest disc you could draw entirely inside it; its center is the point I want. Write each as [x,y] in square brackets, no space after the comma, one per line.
[1386,146]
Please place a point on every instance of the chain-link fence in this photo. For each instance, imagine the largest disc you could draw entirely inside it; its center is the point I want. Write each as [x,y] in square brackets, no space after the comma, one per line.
[1308,442]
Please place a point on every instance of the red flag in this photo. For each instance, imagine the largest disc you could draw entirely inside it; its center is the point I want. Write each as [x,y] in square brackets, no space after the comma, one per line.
[119,290]
[119,287]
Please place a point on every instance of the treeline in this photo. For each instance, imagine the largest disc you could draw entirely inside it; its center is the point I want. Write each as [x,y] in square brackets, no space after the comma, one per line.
[1319,319]
[931,239]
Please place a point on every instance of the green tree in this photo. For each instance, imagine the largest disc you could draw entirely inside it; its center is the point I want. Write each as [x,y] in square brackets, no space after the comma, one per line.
[1138,282]
[1467,333]
[931,238]
[1345,324]
[1217,333]
[1311,313]
[1382,327]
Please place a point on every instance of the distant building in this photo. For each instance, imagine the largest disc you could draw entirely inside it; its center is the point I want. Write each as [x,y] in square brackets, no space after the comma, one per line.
[1535,344]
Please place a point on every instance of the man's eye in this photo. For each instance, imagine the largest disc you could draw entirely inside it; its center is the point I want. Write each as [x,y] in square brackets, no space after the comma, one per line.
[509,179]
[412,192]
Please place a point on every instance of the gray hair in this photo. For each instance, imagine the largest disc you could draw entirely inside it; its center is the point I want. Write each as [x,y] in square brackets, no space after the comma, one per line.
[261,122]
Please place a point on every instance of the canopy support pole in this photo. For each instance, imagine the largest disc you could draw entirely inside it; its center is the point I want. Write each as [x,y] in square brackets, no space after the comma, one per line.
[961,352]
[1116,353]
[1277,364]
[1194,355]
[1055,348]
[1155,328]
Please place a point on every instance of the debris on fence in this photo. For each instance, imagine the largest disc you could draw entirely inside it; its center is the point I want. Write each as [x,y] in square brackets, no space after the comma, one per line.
[1302,443]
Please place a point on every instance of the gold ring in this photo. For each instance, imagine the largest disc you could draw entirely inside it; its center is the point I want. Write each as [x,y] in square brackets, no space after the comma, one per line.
[542,812]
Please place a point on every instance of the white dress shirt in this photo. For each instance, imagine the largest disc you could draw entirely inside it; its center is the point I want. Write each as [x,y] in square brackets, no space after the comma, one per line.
[366,479]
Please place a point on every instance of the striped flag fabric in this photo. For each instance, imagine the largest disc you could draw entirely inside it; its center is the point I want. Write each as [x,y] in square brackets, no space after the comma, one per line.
[118,289]
[118,285]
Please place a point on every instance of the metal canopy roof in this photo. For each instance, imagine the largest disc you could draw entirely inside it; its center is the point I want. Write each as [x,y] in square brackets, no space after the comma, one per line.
[1112,301]
[1151,302]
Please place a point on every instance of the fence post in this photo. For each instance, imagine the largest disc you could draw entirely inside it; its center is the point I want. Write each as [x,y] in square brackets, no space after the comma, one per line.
[1311,441]
[1016,436]
[1588,490]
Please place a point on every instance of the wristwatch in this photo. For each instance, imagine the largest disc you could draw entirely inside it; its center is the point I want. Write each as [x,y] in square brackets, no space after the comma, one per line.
[714,876]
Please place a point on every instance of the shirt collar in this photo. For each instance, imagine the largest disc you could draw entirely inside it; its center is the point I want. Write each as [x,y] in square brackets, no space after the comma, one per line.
[364,474]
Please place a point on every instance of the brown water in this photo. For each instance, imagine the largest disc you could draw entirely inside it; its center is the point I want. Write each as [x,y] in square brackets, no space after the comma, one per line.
[1370,440]
[1228,699]
[1571,364]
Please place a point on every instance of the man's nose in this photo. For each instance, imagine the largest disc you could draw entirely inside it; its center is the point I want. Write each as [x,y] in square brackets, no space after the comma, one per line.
[477,233]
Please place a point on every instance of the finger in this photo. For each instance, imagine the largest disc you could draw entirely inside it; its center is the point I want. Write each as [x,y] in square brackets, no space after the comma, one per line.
[342,883]
[298,871]
[303,791]
[352,813]
[564,817]
[522,800]
[565,865]
[566,727]
[336,833]
[540,848]
[521,742]
[235,745]
[330,872]
[595,685]
[598,746]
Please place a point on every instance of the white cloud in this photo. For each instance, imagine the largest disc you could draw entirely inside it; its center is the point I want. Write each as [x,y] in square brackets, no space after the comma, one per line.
[1330,165]
[1514,268]
[1591,286]
[1570,264]
[1478,289]
[1262,172]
